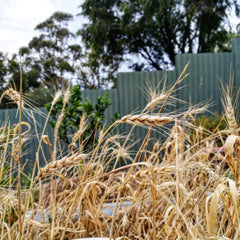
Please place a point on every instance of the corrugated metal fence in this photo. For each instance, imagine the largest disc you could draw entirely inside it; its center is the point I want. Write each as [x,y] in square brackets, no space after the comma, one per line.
[206,71]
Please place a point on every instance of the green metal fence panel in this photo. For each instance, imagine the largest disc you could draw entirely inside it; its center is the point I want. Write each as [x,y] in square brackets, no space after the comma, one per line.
[206,70]
[112,96]
[133,92]
[236,59]
[133,88]
[203,84]
[36,120]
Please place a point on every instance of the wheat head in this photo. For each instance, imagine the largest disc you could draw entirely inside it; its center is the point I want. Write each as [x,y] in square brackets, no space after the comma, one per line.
[13,95]
[149,120]
[58,165]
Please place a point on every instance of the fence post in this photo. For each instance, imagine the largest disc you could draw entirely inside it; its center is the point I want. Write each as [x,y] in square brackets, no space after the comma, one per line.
[236,59]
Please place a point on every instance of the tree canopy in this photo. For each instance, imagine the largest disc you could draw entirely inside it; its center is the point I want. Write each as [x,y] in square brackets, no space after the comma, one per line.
[154,30]
[48,62]
[3,69]
[140,34]
[52,53]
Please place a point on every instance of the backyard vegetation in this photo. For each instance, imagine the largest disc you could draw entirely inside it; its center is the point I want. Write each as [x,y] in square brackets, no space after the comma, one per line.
[183,188]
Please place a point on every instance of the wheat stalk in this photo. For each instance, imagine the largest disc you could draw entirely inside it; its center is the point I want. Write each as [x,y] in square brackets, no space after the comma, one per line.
[145,120]
[155,101]
[58,165]
[229,108]
[54,153]
[58,123]
[82,128]
[154,95]
[13,95]
[232,146]
[56,97]
[230,116]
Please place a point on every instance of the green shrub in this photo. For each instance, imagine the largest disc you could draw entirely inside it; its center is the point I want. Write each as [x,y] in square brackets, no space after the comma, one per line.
[212,123]
[4,133]
[74,110]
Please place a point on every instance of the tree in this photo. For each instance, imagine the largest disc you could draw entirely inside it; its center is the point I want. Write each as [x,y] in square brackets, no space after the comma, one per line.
[52,53]
[154,30]
[93,73]
[3,70]
[104,28]
[30,73]
[10,76]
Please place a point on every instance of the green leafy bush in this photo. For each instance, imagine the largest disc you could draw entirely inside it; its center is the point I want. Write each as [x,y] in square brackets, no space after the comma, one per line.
[74,110]
[4,133]
[5,178]
[212,123]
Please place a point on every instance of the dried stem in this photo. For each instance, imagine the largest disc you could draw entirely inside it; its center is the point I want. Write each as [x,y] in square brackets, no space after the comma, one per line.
[19,154]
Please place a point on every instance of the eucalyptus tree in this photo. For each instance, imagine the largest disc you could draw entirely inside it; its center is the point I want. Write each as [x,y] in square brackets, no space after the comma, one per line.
[3,69]
[152,32]
[54,52]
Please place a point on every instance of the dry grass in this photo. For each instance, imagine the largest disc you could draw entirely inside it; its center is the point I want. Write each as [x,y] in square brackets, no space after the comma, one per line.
[179,189]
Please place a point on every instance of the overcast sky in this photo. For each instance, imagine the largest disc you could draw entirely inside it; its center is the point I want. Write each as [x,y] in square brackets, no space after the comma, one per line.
[18,19]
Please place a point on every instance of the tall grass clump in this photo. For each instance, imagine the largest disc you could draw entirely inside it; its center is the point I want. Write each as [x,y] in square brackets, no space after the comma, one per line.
[186,187]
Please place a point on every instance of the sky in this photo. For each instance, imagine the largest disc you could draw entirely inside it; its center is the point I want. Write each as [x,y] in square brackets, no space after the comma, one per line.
[18,18]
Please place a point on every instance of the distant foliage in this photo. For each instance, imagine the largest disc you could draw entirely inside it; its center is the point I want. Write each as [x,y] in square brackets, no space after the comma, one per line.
[74,110]
[154,32]
[5,135]
[51,55]
[212,123]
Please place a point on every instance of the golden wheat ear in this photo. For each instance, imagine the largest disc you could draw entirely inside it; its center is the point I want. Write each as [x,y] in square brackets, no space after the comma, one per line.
[232,152]
[153,95]
[143,119]
[28,106]
[58,165]
[230,107]
[12,95]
